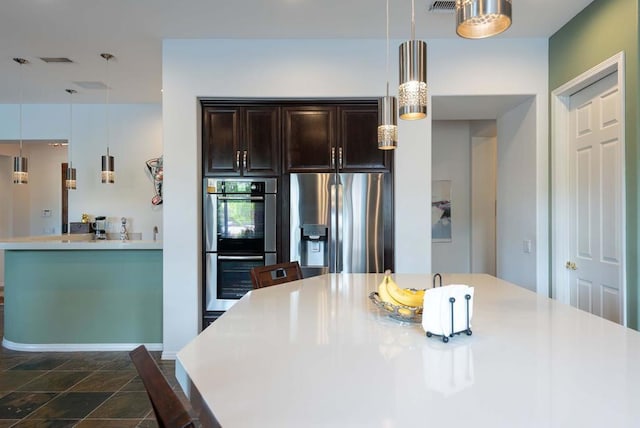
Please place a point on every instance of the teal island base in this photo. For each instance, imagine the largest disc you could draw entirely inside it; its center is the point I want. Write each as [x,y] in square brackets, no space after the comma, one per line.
[79,300]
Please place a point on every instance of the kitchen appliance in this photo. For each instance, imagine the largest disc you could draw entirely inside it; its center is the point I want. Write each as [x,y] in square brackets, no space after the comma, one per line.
[239,234]
[337,222]
[100,227]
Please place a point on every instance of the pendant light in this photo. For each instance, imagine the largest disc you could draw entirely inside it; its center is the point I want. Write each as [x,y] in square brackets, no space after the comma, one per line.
[412,92]
[387,119]
[20,164]
[108,164]
[70,179]
[477,19]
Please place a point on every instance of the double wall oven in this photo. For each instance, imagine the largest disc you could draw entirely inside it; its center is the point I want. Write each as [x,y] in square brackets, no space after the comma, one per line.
[239,234]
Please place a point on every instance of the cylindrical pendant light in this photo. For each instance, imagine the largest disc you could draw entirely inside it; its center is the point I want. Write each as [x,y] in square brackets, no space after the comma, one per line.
[70,179]
[20,164]
[108,165]
[387,108]
[388,123]
[477,19]
[412,92]
[108,168]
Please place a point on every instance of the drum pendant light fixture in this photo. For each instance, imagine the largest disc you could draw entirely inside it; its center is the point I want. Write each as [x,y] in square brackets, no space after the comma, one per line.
[412,92]
[387,107]
[477,19]
[70,178]
[108,165]
[20,164]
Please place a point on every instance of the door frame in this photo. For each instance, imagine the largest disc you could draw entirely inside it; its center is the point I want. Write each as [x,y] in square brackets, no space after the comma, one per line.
[560,178]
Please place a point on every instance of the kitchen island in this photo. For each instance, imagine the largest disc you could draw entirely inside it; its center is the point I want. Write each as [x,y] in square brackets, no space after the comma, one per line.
[68,293]
[317,352]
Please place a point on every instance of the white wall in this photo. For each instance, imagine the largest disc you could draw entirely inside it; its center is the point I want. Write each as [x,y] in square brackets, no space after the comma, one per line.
[503,67]
[327,68]
[451,160]
[516,209]
[135,135]
[17,198]
[44,188]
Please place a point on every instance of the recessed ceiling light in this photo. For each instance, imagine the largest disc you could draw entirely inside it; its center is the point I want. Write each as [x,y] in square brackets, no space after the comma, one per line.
[91,85]
[50,59]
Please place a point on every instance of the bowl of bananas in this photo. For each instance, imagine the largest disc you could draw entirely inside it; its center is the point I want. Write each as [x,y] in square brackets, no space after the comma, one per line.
[403,304]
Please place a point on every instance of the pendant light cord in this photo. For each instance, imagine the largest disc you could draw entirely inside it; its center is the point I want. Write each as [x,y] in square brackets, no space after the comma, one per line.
[21,85]
[413,21]
[70,153]
[107,106]
[387,71]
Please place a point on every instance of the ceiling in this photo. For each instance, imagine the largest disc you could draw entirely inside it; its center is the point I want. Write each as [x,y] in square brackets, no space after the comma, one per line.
[133,31]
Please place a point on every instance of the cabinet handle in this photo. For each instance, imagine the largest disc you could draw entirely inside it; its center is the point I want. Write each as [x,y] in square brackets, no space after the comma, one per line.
[333,157]
[237,159]
[244,160]
[340,158]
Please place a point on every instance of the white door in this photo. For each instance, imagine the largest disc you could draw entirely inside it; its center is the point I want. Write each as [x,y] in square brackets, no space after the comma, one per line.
[596,186]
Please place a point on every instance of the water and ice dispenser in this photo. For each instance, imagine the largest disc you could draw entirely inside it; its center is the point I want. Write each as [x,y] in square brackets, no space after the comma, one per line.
[314,247]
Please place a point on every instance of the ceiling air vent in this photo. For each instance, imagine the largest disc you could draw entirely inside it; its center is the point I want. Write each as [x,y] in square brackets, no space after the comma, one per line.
[442,6]
[49,59]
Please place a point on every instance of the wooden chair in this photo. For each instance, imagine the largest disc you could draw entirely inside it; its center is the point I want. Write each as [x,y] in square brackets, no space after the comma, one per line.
[169,410]
[266,276]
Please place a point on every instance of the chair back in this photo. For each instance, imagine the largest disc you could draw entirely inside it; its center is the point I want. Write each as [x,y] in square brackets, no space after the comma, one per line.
[169,410]
[266,276]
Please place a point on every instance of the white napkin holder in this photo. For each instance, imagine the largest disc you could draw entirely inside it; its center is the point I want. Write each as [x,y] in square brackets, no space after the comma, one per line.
[447,311]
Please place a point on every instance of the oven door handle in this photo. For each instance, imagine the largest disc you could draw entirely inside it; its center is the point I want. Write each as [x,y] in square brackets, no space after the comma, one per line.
[241,198]
[240,257]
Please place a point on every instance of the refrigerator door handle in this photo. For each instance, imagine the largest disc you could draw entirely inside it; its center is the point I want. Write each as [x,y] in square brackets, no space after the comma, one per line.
[333,230]
[339,212]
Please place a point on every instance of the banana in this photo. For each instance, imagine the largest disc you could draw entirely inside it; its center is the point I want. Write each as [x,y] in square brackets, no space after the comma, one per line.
[403,296]
[382,290]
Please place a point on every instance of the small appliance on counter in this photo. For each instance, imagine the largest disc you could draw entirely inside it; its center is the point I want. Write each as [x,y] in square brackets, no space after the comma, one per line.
[80,227]
[100,227]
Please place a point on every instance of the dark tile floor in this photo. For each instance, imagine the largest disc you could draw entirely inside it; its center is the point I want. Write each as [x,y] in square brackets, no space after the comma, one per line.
[74,389]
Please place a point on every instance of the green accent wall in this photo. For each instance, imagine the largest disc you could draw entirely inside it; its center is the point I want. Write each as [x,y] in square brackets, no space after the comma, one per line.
[601,30]
[83,297]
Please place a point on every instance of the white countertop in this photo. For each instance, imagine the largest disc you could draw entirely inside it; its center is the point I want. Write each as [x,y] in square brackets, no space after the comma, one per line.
[75,242]
[318,353]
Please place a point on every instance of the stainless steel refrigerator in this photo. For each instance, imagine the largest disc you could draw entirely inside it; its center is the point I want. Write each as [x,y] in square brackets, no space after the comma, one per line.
[337,222]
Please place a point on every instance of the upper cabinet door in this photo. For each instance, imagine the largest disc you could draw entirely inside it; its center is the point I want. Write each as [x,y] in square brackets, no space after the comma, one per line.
[309,138]
[261,136]
[358,140]
[221,141]
[242,140]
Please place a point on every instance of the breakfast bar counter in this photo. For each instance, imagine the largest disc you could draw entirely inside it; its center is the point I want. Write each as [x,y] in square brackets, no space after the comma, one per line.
[318,353]
[78,294]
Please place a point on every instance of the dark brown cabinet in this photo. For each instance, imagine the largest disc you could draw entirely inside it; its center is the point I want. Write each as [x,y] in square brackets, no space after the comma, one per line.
[358,140]
[340,137]
[241,140]
[309,138]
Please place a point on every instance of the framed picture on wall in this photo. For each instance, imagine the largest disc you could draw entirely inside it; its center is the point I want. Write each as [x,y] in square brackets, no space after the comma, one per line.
[441,211]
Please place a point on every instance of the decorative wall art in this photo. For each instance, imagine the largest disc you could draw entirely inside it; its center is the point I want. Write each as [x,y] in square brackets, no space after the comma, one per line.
[441,211]
[154,167]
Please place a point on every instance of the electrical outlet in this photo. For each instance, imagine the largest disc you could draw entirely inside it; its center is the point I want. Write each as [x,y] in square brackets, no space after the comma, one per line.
[526,246]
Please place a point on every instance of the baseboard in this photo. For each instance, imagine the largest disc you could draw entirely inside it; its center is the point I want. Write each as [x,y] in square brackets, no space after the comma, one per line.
[169,355]
[76,347]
